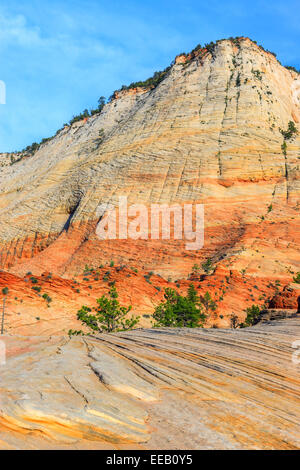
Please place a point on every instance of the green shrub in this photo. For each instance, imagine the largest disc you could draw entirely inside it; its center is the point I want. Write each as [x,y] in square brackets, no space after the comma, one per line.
[196,268]
[37,288]
[108,316]
[208,303]
[75,333]
[297,278]
[179,311]
[47,298]
[290,67]
[207,266]
[151,82]
[252,317]
[257,74]
[290,132]
[210,47]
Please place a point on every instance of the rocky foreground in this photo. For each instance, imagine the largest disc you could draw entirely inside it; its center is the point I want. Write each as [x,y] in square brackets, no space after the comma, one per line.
[159,389]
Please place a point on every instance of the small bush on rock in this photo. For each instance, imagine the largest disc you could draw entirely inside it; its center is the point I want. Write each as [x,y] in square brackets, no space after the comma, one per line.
[179,311]
[108,316]
[252,317]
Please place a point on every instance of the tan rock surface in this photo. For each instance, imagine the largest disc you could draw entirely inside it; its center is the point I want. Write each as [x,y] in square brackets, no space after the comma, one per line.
[166,388]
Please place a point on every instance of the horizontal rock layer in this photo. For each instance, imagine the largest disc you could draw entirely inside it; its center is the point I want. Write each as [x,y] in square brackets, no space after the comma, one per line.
[166,388]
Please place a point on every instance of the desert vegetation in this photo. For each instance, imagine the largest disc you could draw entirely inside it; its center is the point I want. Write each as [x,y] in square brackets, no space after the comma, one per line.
[296,279]
[180,311]
[290,132]
[252,317]
[176,310]
[108,315]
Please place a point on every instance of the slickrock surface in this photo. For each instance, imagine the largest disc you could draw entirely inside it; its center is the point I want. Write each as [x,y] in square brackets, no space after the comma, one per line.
[167,388]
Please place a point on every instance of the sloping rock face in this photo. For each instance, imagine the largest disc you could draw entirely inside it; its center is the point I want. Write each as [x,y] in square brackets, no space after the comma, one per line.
[271,314]
[208,133]
[161,389]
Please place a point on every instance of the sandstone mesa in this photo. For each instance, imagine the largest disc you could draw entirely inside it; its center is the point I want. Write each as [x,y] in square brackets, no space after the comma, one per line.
[208,133]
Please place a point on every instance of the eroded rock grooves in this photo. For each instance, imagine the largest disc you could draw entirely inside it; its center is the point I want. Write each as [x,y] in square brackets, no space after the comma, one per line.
[167,388]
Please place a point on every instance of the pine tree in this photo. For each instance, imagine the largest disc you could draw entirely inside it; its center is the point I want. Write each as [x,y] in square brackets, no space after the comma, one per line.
[108,316]
[180,311]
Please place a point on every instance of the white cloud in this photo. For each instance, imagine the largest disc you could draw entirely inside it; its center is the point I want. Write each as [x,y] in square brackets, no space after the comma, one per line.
[15,30]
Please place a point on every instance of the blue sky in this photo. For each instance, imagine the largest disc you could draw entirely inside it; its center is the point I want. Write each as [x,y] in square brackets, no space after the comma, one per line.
[58,57]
